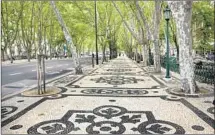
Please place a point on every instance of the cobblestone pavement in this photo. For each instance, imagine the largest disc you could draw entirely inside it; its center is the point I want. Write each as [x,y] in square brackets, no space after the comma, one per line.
[117,98]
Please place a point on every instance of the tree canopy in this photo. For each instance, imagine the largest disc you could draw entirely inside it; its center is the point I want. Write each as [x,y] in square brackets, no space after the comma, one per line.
[21,23]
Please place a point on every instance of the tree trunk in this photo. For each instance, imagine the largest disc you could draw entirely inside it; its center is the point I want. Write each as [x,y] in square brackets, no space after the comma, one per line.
[11,56]
[157,64]
[78,68]
[136,53]
[6,54]
[2,53]
[29,56]
[182,13]
[39,66]
[103,54]
[51,39]
[144,53]
[50,52]
[175,39]
[19,52]
[44,39]
[150,60]
[177,48]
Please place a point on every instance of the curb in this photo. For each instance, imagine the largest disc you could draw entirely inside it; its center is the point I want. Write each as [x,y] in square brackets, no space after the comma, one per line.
[47,82]
[171,91]
[7,63]
[17,63]
[34,86]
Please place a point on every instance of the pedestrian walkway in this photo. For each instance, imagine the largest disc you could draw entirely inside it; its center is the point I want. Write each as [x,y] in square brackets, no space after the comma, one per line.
[119,97]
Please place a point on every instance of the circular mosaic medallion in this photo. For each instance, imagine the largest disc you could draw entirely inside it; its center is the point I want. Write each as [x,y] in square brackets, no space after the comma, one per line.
[52,127]
[105,127]
[160,127]
[109,111]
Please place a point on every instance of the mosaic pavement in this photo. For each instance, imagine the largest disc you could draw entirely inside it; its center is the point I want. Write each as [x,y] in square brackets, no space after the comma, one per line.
[117,98]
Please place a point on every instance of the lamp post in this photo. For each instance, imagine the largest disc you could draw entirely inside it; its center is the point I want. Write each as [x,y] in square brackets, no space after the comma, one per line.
[167,12]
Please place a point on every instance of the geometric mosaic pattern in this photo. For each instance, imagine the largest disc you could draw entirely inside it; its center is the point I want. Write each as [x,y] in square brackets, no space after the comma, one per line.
[118,98]
[107,119]
[116,80]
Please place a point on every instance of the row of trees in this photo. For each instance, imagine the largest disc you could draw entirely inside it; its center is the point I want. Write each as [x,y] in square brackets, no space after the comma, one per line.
[148,31]
[21,21]
[131,26]
[28,25]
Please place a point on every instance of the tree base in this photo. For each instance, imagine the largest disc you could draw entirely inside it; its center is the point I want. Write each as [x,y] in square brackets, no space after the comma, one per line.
[34,92]
[186,87]
[179,92]
[78,70]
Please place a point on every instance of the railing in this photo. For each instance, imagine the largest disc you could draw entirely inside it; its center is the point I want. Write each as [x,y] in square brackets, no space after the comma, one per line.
[173,63]
[204,72]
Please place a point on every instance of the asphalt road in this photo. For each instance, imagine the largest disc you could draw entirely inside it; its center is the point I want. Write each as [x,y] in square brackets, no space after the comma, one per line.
[26,73]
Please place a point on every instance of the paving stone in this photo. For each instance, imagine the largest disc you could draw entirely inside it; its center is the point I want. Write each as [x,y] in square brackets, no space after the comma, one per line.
[150,115]
[115,92]
[117,98]
[207,108]
[117,80]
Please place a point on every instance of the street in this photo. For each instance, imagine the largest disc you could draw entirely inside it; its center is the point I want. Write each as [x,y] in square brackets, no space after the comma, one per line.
[19,76]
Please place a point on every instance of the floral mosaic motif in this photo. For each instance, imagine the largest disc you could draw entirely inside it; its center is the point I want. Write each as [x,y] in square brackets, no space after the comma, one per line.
[52,127]
[116,80]
[107,119]
[140,73]
[115,91]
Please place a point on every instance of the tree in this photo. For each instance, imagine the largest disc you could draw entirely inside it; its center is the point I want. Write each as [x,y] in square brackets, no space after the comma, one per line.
[10,23]
[28,29]
[174,37]
[203,26]
[76,62]
[157,64]
[153,33]
[182,13]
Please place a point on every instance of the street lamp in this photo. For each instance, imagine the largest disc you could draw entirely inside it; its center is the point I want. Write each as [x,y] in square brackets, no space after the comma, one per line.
[167,13]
